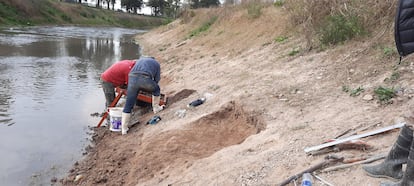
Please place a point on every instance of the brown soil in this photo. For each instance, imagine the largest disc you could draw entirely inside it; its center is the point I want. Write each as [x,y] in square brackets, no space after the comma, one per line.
[265,106]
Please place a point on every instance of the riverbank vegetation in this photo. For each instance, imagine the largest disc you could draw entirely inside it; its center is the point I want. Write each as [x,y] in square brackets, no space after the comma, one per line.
[327,23]
[322,25]
[50,12]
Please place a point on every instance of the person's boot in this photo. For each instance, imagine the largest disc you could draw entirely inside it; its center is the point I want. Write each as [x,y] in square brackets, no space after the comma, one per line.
[124,122]
[398,155]
[408,178]
[156,104]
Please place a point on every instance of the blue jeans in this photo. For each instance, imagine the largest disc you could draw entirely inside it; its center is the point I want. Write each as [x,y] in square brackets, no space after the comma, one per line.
[136,83]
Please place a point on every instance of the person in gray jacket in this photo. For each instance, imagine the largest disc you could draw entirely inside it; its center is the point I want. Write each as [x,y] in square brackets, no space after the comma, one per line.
[144,76]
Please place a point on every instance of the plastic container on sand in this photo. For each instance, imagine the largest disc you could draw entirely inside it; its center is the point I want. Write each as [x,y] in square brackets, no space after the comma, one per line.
[115,118]
[154,120]
[196,102]
[307,179]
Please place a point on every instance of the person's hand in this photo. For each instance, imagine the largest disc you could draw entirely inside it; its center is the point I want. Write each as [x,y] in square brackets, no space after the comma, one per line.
[123,91]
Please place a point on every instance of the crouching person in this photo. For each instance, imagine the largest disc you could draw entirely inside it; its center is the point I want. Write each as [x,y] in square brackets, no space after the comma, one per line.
[115,76]
[144,76]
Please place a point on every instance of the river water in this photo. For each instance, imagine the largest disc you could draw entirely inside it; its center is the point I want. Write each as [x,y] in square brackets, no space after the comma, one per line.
[49,78]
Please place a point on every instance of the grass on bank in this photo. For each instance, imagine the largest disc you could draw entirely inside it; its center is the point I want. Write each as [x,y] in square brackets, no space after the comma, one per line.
[323,22]
[9,15]
[204,27]
[334,22]
[385,94]
[47,12]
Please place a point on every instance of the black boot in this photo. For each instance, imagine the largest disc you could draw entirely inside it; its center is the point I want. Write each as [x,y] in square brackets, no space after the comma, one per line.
[398,155]
[408,178]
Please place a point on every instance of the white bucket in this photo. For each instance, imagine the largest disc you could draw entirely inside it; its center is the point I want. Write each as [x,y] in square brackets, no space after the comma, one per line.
[115,118]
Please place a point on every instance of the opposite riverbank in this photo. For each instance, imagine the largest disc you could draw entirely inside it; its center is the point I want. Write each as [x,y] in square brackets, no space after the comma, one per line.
[50,12]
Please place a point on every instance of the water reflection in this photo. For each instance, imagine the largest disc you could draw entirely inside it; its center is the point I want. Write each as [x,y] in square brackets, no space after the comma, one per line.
[49,79]
[5,96]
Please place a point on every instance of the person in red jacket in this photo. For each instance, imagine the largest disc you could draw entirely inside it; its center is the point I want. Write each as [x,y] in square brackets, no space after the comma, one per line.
[115,76]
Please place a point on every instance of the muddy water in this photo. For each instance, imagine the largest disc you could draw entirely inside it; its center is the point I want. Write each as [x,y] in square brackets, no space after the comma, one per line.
[49,78]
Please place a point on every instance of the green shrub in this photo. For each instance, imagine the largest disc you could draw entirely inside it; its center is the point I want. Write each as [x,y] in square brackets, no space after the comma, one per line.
[345,88]
[313,15]
[10,15]
[167,21]
[294,51]
[339,28]
[51,11]
[384,94]
[357,91]
[203,27]
[279,3]
[354,92]
[281,39]
[83,14]
[394,77]
[66,18]
[388,52]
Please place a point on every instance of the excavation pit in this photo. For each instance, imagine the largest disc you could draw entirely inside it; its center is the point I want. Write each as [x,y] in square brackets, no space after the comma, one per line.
[139,156]
[230,125]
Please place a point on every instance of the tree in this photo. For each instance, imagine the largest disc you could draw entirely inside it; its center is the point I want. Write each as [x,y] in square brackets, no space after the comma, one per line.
[98,3]
[204,3]
[176,7]
[209,3]
[157,6]
[113,4]
[171,8]
[132,5]
[109,2]
[195,4]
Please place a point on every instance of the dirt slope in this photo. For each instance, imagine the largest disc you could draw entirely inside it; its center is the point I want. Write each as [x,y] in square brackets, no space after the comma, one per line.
[264,106]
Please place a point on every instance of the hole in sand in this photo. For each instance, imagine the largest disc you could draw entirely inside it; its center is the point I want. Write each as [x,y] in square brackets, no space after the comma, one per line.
[179,96]
[144,108]
[231,125]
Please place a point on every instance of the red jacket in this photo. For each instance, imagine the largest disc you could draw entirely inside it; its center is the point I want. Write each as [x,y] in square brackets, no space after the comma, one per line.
[117,74]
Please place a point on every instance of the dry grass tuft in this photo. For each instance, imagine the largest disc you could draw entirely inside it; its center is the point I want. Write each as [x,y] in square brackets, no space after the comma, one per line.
[312,15]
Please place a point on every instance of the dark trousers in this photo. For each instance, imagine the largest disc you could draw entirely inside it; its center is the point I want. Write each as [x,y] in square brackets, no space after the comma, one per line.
[138,83]
[109,91]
